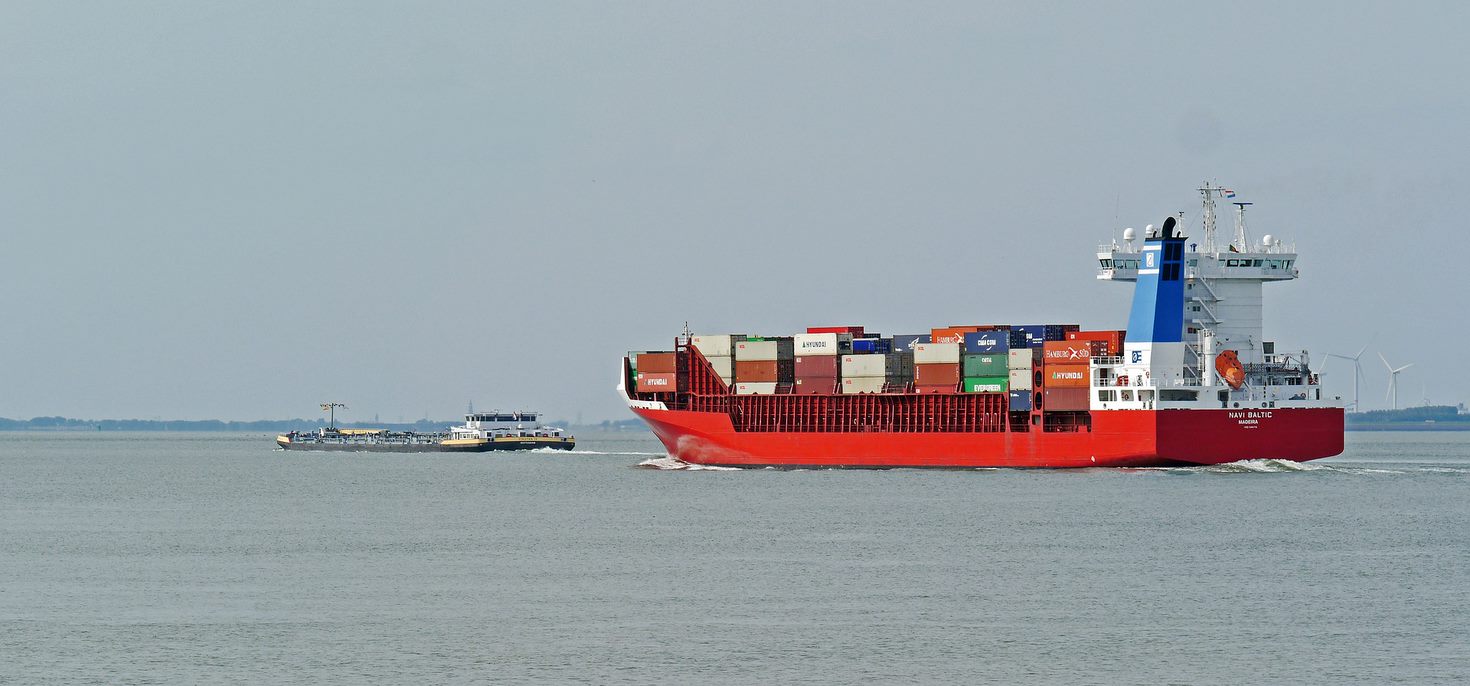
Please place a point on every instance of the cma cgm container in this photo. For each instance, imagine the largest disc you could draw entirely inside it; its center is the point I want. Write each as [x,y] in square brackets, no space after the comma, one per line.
[993,341]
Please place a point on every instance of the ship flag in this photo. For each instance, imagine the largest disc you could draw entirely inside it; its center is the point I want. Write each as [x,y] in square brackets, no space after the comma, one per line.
[1228,193]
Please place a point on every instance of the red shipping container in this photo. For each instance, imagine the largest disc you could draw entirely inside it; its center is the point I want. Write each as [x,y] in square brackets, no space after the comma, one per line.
[936,374]
[952,334]
[817,365]
[1066,376]
[657,383]
[945,389]
[658,363]
[1113,339]
[854,330]
[756,371]
[1065,399]
[815,385]
[1068,352]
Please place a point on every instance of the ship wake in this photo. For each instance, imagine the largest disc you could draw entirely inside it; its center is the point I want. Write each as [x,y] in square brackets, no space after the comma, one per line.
[668,462]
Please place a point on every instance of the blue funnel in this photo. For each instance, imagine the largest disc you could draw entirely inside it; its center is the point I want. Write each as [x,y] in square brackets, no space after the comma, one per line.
[1158,298]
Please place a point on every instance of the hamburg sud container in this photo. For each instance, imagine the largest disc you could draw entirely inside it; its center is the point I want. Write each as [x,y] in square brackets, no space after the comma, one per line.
[1070,352]
[951,334]
[1113,339]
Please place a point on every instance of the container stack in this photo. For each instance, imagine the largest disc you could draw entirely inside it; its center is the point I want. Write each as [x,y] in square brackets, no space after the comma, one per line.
[985,364]
[657,372]
[1023,362]
[816,361]
[761,364]
[1066,376]
[719,350]
[936,367]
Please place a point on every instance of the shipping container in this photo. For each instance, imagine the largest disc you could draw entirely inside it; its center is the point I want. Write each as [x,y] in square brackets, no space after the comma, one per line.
[816,365]
[864,365]
[1066,352]
[766,349]
[985,384]
[657,383]
[988,341]
[985,365]
[815,386]
[1113,339]
[1058,332]
[872,345]
[935,374]
[851,330]
[1028,335]
[821,344]
[951,334]
[1023,358]
[716,346]
[755,388]
[1020,379]
[1020,401]
[931,353]
[724,366]
[1065,399]
[1065,375]
[910,341]
[757,370]
[658,363]
[941,389]
[863,384]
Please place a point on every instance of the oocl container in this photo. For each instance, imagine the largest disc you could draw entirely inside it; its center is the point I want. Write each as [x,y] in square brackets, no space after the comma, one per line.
[768,349]
[931,353]
[988,341]
[1065,376]
[985,365]
[657,383]
[936,374]
[985,384]
[755,388]
[721,345]
[862,384]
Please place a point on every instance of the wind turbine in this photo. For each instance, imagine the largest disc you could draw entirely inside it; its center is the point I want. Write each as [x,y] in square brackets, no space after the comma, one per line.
[1357,372]
[1393,380]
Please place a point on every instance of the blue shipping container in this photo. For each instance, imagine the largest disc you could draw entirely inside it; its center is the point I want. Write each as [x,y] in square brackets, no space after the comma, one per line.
[992,341]
[872,345]
[1031,336]
[1020,401]
[906,342]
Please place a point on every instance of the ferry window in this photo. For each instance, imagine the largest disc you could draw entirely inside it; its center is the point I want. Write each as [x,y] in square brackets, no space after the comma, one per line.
[1255,263]
[1107,264]
[1194,262]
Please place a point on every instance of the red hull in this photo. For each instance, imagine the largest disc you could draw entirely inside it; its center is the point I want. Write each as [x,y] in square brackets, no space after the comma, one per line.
[1118,438]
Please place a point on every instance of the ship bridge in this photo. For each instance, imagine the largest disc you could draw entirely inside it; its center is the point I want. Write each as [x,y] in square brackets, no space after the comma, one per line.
[1223,283]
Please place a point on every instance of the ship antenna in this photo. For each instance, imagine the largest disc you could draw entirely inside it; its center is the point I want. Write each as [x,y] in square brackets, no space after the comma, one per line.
[1209,220]
[332,409]
[1242,240]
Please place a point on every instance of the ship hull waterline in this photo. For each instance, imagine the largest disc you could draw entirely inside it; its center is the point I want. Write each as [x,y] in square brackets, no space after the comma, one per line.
[1118,438]
[423,447]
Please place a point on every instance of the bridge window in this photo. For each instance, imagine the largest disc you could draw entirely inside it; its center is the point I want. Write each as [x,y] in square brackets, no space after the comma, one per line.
[1107,264]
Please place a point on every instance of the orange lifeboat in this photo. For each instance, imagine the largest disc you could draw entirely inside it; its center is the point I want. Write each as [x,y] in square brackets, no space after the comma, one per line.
[1227,364]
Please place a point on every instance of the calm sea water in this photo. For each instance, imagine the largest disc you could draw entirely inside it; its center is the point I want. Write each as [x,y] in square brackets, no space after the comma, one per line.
[190,558]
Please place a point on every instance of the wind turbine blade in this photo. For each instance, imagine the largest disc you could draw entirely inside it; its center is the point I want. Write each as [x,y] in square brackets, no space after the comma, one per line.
[1360,351]
[1385,361]
[1403,367]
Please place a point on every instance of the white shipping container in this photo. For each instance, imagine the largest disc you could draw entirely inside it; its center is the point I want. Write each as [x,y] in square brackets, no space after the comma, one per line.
[864,365]
[863,384]
[932,353]
[714,346]
[757,351]
[819,343]
[1021,358]
[724,366]
[1020,379]
[755,388]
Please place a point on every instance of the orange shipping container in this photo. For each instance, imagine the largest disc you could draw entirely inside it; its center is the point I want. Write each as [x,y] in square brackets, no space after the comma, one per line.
[1066,376]
[756,371]
[936,374]
[1066,352]
[953,334]
[1065,399]
[935,390]
[657,383]
[658,363]
[1113,339]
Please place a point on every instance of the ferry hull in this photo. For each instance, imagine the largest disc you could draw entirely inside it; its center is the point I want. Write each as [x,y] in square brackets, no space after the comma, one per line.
[1118,438]
[475,447]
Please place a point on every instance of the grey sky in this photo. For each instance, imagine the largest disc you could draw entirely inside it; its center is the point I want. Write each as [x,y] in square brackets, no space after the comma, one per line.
[240,210]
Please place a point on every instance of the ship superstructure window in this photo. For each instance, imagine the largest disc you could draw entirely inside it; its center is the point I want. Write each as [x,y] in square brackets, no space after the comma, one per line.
[1107,264]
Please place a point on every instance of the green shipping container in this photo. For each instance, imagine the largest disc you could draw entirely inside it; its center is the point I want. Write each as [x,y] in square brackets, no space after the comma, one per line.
[987,384]
[987,365]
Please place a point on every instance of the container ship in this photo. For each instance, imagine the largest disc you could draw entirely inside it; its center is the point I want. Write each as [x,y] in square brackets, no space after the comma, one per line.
[1191,380]
[481,432]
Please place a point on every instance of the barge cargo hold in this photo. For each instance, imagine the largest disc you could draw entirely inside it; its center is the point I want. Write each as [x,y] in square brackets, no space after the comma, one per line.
[1182,385]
